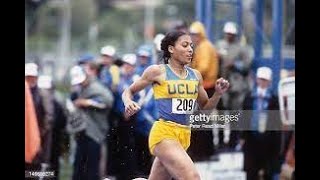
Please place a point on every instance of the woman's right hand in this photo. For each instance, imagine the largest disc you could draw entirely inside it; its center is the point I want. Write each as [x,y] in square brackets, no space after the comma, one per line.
[131,108]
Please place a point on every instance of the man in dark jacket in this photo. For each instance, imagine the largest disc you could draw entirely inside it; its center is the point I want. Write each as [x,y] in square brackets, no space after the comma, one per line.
[43,105]
[261,140]
[58,136]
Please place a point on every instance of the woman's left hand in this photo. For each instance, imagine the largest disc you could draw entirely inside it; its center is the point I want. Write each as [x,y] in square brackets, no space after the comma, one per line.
[221,86]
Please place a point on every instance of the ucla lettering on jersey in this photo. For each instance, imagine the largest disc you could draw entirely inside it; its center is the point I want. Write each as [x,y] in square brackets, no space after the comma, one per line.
[176,97]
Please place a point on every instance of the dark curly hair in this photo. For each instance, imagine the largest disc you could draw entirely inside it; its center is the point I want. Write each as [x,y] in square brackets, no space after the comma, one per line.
[170,39]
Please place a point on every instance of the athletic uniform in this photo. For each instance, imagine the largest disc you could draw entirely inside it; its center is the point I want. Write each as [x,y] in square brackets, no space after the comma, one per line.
[175,98]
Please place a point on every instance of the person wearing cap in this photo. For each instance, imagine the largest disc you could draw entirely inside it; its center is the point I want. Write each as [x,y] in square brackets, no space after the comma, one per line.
[94,101]
[31,74]
[45,83]
[144,59]
[260,139]
[85,58]
[110,73]
[234,63]
[205,60]
[157,46]
[44,111]
[147,114]
[109,76]
[86,61]
[126,162]
[234,66]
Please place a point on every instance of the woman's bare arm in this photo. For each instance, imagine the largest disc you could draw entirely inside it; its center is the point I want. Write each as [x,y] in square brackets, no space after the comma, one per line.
[149,76]
[204,101]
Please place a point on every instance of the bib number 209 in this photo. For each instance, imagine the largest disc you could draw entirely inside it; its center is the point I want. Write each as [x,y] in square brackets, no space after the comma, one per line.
[182,106]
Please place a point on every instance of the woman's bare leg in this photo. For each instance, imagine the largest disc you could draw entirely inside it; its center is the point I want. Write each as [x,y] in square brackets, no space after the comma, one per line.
[176,161]
[158,171]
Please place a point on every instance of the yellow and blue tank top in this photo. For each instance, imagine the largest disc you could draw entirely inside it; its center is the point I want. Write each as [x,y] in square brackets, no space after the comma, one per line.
[176,97]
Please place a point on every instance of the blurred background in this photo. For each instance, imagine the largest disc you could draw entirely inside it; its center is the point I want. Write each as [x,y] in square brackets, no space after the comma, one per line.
[59,33]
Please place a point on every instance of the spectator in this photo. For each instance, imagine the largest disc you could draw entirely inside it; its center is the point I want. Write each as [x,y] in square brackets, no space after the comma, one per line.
[32,135]
[44,110]
[144,121]
[110,73]
[94,101]
[126,130]
[144,57]
[261,145]
[234,66]
[205,60]
[157,43]
[59,124]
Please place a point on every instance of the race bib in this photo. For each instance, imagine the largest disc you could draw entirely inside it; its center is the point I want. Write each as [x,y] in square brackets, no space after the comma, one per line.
[183,105]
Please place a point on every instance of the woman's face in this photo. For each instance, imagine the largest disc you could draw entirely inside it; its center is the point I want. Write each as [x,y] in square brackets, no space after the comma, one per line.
[182,51]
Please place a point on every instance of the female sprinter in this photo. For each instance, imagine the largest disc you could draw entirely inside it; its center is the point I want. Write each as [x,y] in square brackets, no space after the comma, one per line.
[176,90]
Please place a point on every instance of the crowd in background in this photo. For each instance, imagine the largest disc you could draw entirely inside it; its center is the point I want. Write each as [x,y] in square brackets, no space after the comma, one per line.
[108,144]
